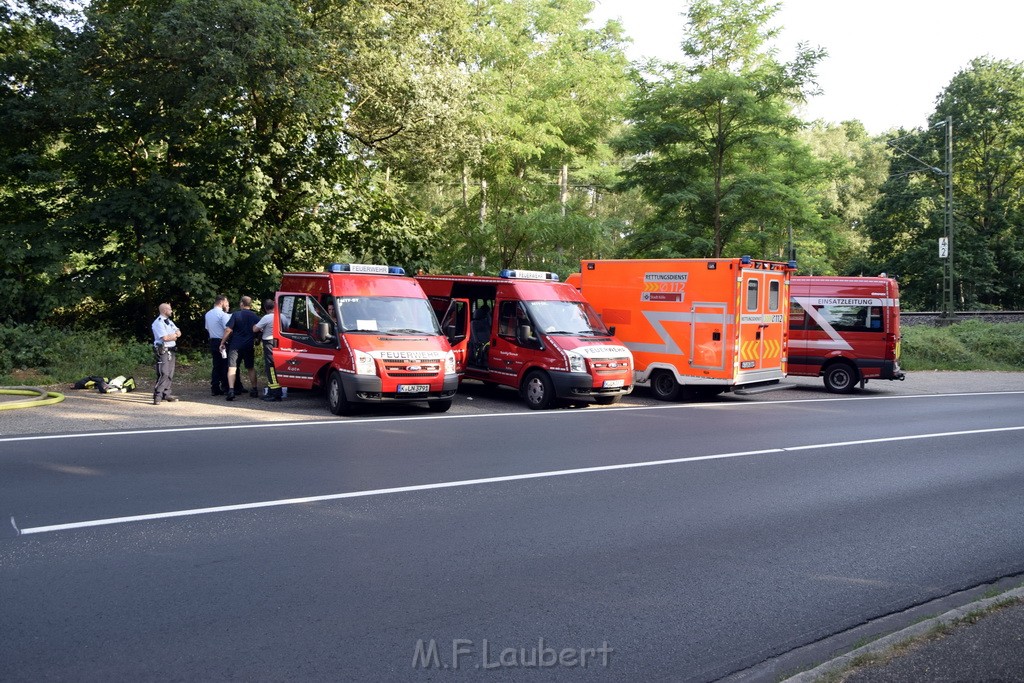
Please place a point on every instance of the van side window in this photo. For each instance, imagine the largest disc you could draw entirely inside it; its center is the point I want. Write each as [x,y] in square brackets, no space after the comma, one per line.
[752,295]
[300,316]
[509,317]
[875,319]
[797,316]
[773,295]
[848,318]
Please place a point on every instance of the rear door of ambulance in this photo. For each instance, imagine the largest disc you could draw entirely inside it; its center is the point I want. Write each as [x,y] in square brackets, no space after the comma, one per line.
[762,315]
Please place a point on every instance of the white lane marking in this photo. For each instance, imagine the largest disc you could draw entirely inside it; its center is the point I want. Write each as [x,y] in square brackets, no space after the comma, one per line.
[536,414]
[476,482]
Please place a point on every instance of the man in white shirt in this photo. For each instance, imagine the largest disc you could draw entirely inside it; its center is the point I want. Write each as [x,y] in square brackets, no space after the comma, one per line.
[165,342]
[265,328]
[216,317]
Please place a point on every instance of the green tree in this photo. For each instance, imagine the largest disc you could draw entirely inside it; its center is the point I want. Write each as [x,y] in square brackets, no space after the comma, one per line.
[545,92]
[986,103]
[854,166]
[715,140]
[32,187]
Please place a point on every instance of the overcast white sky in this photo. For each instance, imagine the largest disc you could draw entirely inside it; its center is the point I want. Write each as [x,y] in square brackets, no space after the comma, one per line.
[888,59]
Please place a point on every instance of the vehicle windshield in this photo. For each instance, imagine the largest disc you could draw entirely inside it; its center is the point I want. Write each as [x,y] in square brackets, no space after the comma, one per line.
[385,315]
[566,318]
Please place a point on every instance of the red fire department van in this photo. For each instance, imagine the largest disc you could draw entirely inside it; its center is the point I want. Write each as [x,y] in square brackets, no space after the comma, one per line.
[845,330]
[365,333]
[526,330]
[696,327]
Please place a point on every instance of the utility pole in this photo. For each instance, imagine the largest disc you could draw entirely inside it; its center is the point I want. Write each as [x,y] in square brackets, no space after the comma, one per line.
[948,279]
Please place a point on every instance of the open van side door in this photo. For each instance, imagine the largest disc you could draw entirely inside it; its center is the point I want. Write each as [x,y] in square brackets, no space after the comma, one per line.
[455,326]
[305,338]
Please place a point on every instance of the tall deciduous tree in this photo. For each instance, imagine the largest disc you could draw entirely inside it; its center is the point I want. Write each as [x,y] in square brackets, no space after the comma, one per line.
[715,141]
[986,103]
[33,190]
[546,90]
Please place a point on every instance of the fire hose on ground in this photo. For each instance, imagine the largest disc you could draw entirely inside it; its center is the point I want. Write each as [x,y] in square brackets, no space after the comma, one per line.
[40,397]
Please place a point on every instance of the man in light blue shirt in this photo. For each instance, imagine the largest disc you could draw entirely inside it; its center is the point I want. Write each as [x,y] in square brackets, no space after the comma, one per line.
[216,318]
[165,342]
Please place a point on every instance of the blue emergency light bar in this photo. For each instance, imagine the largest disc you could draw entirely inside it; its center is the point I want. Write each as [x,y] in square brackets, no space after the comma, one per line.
[528,275]
[369,268]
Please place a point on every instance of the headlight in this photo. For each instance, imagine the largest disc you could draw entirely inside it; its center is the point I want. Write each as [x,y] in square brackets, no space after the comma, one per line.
[449,363]
[365,364]
[577,363]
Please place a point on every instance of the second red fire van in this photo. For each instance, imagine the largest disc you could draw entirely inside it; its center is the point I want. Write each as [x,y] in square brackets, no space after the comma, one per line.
[526,330]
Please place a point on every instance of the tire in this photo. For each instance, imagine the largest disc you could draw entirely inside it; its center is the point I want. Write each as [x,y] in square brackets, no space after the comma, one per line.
[841,378]
[537,390]
[336,401]
[607,400]
[664,386]
[440,406]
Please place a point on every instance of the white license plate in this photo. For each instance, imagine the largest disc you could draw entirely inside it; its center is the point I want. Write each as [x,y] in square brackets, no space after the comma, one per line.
[613,383]
[413,388]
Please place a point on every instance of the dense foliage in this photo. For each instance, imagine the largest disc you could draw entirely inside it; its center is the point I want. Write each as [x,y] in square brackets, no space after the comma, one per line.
[172,149]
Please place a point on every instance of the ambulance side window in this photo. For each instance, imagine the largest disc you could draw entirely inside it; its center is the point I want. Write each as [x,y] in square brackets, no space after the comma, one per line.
[773,296]
[752,295]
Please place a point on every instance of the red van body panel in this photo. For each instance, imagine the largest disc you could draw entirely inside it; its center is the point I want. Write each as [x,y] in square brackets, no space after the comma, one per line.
[844,329]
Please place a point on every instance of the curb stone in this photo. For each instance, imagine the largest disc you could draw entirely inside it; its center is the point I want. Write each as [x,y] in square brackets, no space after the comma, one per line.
[886,643]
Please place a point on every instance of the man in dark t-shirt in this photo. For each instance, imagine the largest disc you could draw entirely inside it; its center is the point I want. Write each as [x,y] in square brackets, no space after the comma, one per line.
[238,341]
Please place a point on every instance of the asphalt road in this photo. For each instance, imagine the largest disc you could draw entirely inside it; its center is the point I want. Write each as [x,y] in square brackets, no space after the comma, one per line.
[649,541]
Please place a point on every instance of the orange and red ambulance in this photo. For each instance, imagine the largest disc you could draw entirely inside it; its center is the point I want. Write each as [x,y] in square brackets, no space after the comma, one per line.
[845,330]
[366,334]
[526,330]
[695,326]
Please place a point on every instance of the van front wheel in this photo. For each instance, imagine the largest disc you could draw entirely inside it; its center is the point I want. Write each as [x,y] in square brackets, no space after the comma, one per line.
[538,391]
[336,401]
[841,378]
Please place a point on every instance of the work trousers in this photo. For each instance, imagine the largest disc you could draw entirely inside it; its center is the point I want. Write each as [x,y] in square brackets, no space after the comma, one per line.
[165,362]
[219,368]
[273,388]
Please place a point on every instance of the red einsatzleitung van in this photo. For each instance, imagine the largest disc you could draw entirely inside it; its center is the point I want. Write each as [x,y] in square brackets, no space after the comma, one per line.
[844,329]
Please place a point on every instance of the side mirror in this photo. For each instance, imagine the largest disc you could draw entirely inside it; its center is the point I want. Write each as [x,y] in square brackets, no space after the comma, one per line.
[524,334]
[323,331]
[611,330]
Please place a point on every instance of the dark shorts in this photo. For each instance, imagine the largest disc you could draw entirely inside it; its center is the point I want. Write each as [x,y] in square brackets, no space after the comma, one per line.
[247,356]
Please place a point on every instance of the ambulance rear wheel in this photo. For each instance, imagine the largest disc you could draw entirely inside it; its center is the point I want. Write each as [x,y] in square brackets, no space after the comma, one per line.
[336,401]
[664,386]
[538,391]
[841,378]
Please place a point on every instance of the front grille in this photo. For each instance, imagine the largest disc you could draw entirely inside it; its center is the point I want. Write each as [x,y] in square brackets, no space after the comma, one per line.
[402,369]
